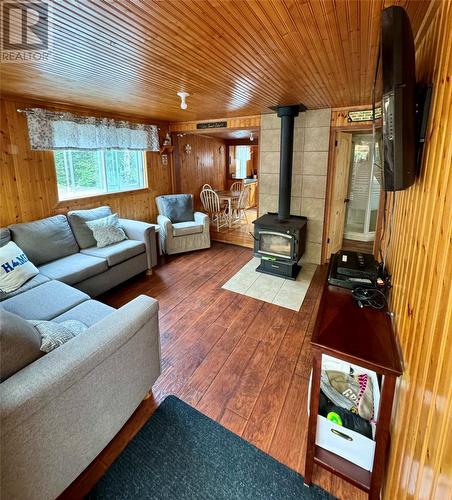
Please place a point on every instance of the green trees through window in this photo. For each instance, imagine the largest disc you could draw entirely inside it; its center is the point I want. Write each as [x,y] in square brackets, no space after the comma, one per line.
[88,173]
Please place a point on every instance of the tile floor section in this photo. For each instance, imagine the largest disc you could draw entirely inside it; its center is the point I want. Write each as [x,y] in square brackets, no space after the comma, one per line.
[279,291]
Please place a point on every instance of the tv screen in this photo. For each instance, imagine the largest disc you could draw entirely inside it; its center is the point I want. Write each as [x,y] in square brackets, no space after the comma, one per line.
[398,99]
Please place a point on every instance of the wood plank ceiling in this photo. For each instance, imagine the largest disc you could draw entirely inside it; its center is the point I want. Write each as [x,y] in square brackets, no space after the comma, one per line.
[234,57]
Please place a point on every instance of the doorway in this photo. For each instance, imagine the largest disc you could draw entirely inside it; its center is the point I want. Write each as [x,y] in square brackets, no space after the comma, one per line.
[363,189]
[240,172]
[354,193]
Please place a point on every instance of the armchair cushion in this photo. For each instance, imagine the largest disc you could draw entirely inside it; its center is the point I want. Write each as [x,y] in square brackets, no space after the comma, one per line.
[186,228]
[178,207]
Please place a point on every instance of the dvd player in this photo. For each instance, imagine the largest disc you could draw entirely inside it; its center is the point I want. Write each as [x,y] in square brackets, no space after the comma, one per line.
[353,269]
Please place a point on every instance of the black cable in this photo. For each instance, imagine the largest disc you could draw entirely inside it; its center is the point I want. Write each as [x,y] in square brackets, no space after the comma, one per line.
[369,297]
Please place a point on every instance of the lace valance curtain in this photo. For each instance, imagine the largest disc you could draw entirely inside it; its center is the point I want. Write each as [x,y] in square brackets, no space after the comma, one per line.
[63,130]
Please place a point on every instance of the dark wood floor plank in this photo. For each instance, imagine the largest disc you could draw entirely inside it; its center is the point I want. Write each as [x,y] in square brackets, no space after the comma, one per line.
[253,378]
[204,375]
[217,395]
[235,423]
[287,444]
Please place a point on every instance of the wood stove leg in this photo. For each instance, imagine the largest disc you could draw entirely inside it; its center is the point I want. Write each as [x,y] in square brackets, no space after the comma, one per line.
[313,411]
[382,436]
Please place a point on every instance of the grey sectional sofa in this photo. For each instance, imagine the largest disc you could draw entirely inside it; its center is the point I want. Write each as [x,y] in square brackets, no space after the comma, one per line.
[59,412]
[62,249]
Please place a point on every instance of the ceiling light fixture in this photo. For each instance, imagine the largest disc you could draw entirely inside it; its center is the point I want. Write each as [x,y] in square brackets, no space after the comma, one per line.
[251,136]
[183,96]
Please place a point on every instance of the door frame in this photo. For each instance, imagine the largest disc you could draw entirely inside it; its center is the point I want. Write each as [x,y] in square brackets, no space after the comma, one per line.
[329,189]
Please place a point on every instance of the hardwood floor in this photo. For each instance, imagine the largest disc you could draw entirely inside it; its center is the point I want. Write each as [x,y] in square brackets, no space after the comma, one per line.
[239,233]
[243,362]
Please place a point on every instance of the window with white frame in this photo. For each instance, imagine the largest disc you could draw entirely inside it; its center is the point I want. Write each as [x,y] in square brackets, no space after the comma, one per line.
[90,173]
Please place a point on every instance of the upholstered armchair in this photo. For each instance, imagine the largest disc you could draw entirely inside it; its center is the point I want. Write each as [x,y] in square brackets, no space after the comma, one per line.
[181,229]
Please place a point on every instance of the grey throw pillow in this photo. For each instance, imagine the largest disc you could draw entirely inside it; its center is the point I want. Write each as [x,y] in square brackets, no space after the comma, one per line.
[19,344]
[107,231]
[178,207]
[54,334]
[78,219]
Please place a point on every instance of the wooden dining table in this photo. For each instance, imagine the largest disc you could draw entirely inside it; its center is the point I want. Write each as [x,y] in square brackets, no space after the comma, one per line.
[228,196]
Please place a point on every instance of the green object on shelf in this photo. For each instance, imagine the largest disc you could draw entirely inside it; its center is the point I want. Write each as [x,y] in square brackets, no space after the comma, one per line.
[266,257]
[334,417]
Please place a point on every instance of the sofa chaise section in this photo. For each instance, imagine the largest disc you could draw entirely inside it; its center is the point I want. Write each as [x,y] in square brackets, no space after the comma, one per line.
[61,411]
[44,302]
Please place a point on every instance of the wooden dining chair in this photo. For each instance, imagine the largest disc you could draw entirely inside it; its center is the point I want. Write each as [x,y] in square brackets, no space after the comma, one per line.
[239,206]
[237,186]
[206,186]
[211,203]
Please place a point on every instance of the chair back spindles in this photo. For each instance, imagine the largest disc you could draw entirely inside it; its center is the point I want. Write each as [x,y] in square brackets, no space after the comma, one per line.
[243,199]
[210,201]
[237,186]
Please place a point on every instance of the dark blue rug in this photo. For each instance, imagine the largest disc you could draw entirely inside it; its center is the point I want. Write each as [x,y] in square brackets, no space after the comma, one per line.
[182,454]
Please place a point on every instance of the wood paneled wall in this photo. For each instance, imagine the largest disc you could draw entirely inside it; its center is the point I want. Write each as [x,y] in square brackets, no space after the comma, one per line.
[28,188]
[339,119]
[205,163]
[420,259]
[239,122]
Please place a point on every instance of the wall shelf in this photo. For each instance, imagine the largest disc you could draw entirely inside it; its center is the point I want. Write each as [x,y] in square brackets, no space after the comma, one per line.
[166,149]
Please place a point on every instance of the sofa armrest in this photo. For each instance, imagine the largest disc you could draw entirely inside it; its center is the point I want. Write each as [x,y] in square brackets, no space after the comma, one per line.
[203,219]
[33,388]
[142,231]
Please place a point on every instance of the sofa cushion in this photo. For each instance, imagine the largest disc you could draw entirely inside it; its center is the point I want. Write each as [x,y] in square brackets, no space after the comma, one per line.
[20,344]
[35,281]
[88,312]
[177,207]
[45,240]
[44,301]
[15,268]
[77,220]
[54,334]
[119,252]
[186,228]
[107,231]
[5,236]
[74,268]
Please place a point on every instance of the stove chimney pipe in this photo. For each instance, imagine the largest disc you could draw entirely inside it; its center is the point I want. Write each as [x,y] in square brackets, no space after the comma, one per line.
[287,115]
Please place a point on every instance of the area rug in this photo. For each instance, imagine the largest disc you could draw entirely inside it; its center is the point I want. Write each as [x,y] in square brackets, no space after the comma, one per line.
[180,454]
[273,289]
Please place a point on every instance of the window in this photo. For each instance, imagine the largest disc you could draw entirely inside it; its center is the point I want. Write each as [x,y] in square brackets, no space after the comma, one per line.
[89,173]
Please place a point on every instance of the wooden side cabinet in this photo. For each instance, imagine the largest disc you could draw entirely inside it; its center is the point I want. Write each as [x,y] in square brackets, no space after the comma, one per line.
[365,338]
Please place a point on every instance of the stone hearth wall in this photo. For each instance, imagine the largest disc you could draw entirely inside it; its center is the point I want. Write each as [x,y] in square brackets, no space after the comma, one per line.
[310,161]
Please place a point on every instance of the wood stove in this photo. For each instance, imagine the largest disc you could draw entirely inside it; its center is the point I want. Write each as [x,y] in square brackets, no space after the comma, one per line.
[280,238]
[280,244]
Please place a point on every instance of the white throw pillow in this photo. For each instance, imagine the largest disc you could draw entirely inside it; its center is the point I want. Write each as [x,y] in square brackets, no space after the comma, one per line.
[15,268]
[107,230]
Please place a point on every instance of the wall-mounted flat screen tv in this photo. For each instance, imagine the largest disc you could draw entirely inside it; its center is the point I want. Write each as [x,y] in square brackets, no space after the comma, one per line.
[398,99]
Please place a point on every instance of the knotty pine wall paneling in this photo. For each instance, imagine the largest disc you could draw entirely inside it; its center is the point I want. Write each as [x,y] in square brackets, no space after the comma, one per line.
[28,188]
[420,260]
[204,164]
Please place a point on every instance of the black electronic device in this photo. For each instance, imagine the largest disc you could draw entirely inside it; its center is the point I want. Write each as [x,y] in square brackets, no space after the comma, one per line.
[353,269]
[398,100]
